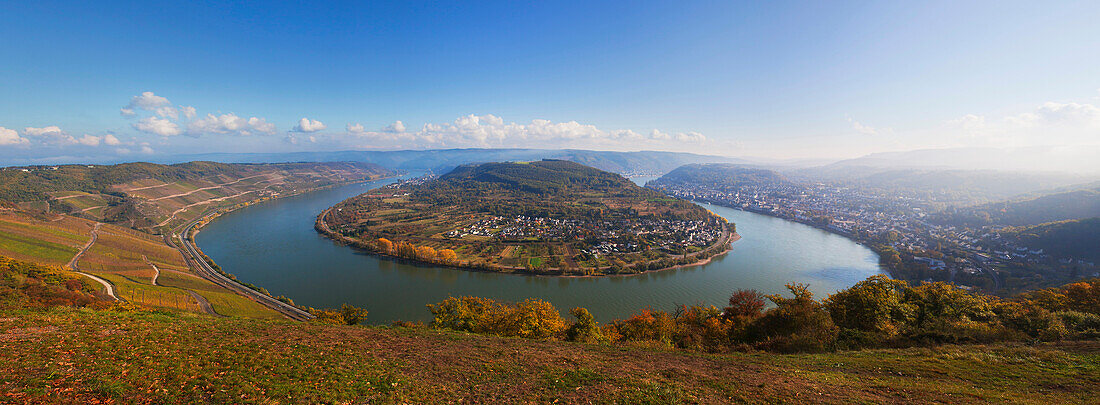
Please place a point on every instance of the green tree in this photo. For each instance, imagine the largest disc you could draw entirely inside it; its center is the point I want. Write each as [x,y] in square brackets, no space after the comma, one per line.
[585,328]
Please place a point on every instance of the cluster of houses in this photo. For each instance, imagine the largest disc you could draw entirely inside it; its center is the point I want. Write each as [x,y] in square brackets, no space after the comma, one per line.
[660,232]
[869,215]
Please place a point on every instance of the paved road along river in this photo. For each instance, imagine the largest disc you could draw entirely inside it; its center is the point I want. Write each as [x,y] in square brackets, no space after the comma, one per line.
[273,244]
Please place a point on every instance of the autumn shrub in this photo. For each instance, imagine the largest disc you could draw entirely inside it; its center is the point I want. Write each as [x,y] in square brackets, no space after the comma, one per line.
[943,313]
[25,284]
[798,324]
[1032,321]
[647,326]
[1081,325]
[871,312]
[467,314]
[585,329]
[346,315]
[701,328]
[744,307]
[531,319]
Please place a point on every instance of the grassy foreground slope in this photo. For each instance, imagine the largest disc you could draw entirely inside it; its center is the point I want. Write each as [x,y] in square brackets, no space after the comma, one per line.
[84,356]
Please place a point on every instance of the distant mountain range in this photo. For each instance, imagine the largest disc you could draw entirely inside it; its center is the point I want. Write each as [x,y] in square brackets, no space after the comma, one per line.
[443,160]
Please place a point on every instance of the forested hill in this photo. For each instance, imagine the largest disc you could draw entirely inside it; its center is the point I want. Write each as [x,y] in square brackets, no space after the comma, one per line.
[35,183]
[1062,206]
[543,177]
[1076,238]
[719,175]
[554,188]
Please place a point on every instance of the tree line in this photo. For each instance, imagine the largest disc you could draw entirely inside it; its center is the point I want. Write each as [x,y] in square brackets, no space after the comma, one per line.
[875,313]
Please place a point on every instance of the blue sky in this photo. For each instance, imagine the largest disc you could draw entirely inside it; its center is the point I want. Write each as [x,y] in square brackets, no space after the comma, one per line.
[778,80]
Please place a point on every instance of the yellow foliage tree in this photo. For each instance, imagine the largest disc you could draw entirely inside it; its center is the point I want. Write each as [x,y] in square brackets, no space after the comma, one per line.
[447,255]
[384,245]
[425,253]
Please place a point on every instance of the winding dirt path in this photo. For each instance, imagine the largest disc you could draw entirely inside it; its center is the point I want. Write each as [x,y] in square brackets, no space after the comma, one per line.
[155,269]
[204,304]
[73,263]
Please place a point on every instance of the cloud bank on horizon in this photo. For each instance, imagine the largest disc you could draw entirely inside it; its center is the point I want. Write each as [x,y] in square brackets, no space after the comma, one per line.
[156,121]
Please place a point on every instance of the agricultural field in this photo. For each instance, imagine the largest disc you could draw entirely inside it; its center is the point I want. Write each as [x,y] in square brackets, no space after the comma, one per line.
[224,302]
[140,293]
[157,198]
[46,239]
[132,253]
[123,256]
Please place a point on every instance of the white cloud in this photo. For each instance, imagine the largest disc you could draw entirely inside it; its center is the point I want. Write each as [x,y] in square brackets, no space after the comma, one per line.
[690,137]
[355,128]
[308,125]
[229,124]
[110,139]
[262,126]
[397,126]
[146,150]
[89,140]
[1059,114]
[50,135]
[861,128]
[52,129]
[1051,123]
[188,111]
[492,131]
[10,137]
[167,112]
[159,126]
[147,101]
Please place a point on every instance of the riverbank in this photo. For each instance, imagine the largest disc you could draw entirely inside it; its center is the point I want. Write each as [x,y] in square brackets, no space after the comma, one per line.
[214,273]
[282,252]
[890,271]
[723,243]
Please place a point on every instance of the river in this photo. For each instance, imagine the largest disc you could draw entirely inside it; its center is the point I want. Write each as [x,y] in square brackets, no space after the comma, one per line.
[273,245]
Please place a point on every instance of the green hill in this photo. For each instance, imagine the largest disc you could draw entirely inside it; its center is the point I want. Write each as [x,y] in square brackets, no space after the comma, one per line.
[1075,239]
[719,175]
[1060,206]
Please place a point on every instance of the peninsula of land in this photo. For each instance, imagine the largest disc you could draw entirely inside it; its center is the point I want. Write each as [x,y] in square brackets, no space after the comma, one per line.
[548,217]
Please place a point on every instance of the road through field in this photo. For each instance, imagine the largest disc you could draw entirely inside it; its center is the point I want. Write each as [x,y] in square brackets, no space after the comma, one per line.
[73,262]
[203,269]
